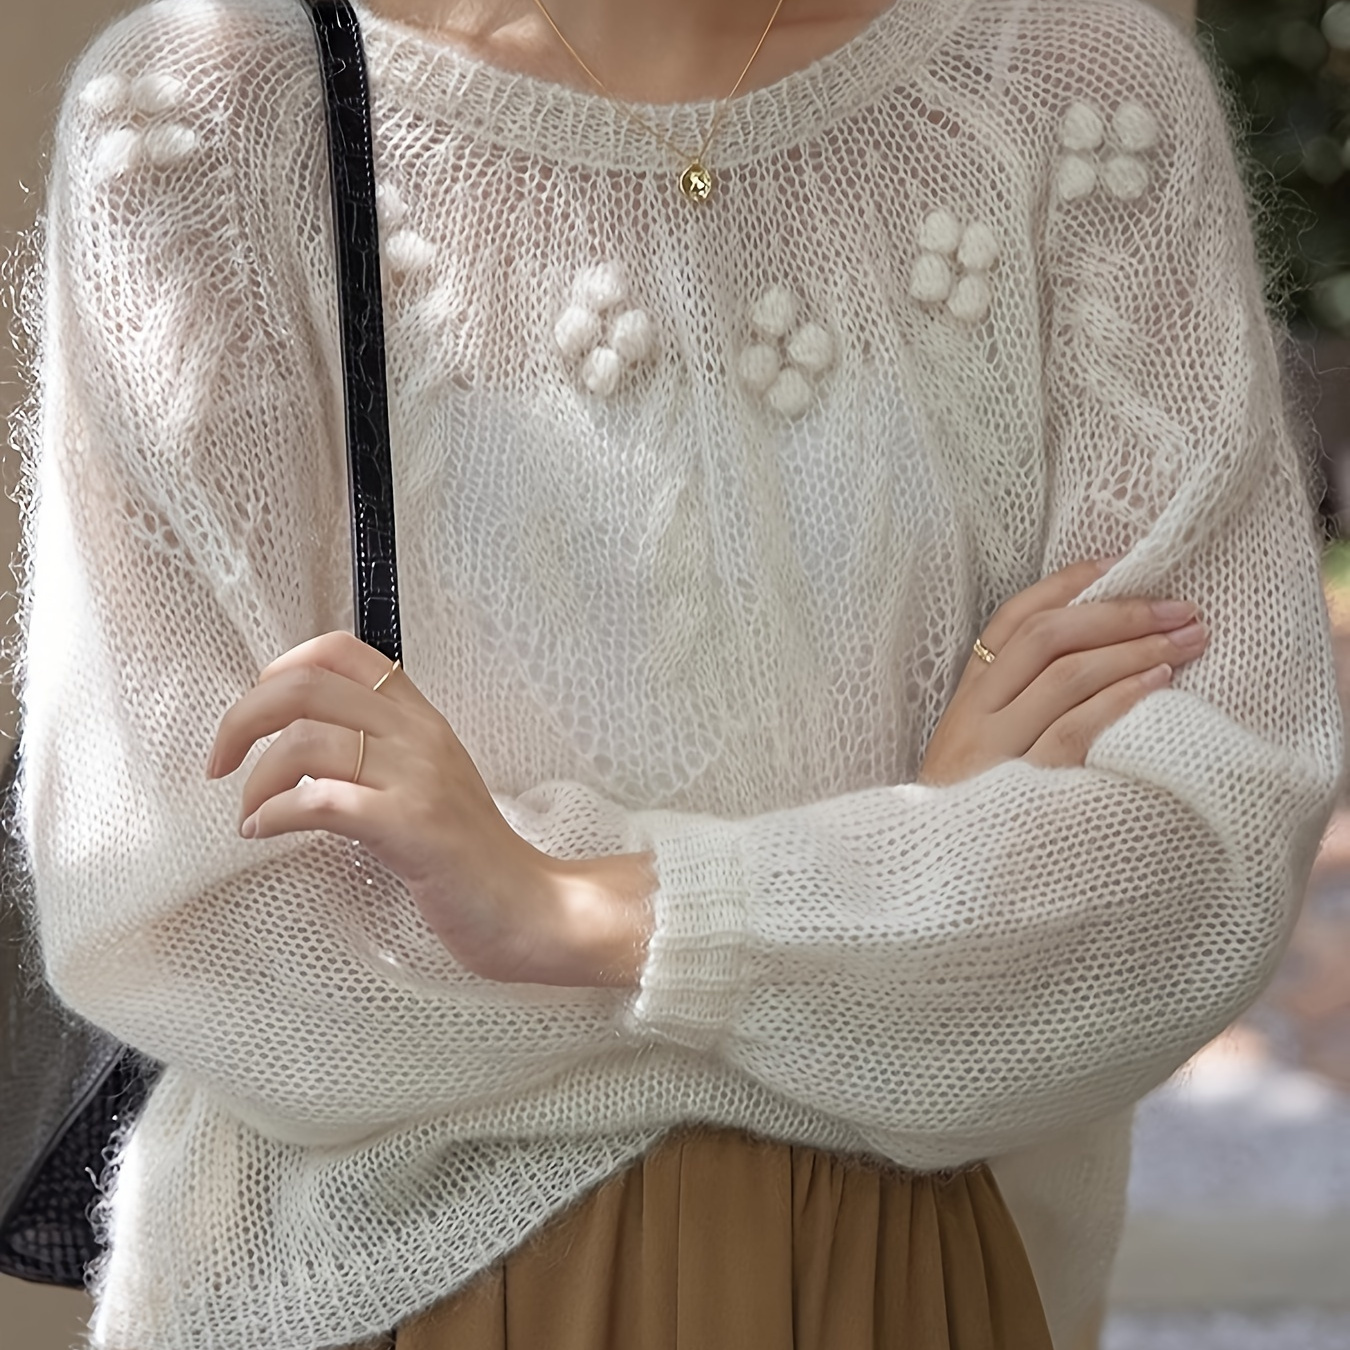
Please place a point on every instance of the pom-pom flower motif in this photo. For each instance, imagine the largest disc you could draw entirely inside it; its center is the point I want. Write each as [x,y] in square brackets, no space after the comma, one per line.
[601,331]
[954,265]
[403,248]
[149,133]
[1105,153]
[789,356]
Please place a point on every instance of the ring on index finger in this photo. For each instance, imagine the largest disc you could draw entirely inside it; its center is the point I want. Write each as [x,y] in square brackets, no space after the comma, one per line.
[983,653]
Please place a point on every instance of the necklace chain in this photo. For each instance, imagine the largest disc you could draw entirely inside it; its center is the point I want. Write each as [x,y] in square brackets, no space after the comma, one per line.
[696,182]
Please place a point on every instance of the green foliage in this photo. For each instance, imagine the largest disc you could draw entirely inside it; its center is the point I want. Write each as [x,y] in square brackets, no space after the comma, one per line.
[1336,567]
[1289,67]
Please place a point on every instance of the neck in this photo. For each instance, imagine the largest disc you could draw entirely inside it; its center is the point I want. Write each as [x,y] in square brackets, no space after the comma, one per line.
[644,50]
[696,51]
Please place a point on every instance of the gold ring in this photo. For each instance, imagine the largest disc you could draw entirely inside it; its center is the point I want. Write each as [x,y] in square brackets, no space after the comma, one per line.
[361,749]
[984,653]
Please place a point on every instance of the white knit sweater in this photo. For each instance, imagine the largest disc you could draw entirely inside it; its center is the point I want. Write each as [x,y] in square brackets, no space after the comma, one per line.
[699,512]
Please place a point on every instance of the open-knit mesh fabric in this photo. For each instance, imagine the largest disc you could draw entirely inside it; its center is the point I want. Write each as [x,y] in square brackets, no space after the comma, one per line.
[699,511]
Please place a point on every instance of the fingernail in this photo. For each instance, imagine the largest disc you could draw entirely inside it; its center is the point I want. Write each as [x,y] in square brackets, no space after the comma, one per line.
[1173,611]
[1193,635]
[1158,676]
[250,826]
[1104,565]
[211,767]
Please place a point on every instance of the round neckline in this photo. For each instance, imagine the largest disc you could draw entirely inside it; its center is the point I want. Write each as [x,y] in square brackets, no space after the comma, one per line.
[568,125]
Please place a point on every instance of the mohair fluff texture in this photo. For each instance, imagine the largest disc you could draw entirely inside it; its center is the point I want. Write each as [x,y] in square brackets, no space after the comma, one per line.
[699,512]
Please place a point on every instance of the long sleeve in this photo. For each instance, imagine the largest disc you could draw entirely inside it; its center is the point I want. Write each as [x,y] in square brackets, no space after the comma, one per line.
[962,970]
[946,972]
[187,524]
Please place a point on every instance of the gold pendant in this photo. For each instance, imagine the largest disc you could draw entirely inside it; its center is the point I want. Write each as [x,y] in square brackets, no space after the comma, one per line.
[696,183]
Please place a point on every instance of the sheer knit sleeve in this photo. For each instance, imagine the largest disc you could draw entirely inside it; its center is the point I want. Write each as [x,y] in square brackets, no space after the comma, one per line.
[187,524]
[961,970]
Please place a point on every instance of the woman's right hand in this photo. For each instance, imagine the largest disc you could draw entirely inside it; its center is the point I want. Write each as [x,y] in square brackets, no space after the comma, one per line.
[1062,673]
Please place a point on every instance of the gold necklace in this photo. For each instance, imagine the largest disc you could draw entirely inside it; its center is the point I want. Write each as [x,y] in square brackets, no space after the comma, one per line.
[696,182]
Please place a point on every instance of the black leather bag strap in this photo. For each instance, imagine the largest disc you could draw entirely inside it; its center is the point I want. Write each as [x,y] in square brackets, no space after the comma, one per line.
[356,232]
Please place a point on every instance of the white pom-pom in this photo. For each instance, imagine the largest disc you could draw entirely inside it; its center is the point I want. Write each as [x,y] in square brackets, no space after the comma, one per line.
[118,152]
[775,312]
[1125,177]
[389,206]
[812,349]
[759,367]
[1082,128]
[602,286]
[633,335]
[979,248]
[170,144]
[940,232]
[932,279]
[1075,178]
[157,92]
[791,393]
[407,251]
[1134,128]
[577,331]
[970,300]
[602,370]
[106,93]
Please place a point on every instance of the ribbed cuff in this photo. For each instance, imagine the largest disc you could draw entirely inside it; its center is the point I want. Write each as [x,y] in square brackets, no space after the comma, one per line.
[696,958]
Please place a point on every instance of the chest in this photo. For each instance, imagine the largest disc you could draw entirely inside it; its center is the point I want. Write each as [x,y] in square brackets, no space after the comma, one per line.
[735,463]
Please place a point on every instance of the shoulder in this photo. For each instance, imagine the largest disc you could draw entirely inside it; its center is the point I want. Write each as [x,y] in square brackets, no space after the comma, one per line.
[187,191]
[178,81]
[206,39]
[1086,43]
[1062,66]
[1124,114]
[189,158]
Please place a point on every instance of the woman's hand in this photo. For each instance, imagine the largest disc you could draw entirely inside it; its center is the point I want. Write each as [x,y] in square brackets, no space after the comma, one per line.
[1062,673]
[504,909]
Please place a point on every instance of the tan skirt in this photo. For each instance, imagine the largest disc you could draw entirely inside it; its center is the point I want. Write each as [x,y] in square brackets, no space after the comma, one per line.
[716,1241]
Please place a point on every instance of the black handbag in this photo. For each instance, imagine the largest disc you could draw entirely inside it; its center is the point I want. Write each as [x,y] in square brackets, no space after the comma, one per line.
[68,1088]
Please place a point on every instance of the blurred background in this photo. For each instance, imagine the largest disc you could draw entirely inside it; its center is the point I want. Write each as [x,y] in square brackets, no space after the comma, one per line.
[1239,1230]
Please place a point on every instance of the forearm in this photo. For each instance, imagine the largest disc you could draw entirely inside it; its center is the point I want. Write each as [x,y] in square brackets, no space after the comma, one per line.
[959,971]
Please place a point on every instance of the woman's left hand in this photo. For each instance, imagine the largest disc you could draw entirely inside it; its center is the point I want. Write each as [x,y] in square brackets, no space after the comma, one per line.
[505,910]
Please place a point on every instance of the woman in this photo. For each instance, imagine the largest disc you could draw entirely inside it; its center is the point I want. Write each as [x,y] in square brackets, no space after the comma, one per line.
[805,500]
